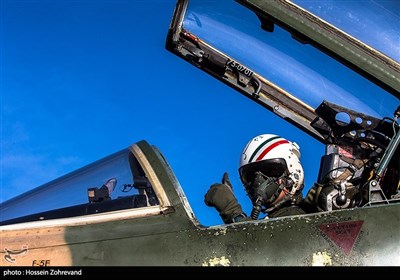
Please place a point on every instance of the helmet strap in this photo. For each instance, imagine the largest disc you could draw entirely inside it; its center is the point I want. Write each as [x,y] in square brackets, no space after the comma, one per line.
[277,205]
[276,193]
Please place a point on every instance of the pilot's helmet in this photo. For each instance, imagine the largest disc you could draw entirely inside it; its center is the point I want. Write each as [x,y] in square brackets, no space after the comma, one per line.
[271,156]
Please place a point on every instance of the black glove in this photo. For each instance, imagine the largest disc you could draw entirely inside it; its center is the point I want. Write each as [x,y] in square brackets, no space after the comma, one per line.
[313,194]
[310,203]
[222,198]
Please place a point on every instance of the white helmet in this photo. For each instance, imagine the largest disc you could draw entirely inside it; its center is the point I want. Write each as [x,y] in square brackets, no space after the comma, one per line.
[273,156]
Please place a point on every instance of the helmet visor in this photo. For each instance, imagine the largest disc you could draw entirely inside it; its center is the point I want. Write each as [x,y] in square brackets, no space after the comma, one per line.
[269,167]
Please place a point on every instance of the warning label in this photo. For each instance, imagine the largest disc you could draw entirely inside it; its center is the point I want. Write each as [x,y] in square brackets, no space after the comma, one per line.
[343,234]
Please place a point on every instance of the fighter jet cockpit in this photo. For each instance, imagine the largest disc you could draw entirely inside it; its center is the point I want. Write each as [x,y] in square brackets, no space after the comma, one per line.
[316,65]
[114,183]
[361,162]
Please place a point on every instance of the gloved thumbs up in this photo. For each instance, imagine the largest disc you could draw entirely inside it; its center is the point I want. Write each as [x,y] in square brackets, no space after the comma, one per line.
[226,181]
[222,198]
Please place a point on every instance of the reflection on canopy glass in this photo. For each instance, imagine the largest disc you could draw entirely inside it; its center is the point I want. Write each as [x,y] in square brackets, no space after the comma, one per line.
[301,70]
[376,23]
[114,183]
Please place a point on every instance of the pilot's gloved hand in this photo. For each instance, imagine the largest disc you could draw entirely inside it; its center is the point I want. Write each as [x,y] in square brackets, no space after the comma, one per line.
[222,198]
[312,194]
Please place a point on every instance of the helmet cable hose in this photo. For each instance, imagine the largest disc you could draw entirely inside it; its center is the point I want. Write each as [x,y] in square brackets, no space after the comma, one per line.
[255,212]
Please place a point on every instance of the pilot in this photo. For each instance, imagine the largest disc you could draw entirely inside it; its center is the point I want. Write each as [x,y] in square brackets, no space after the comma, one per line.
[272,176]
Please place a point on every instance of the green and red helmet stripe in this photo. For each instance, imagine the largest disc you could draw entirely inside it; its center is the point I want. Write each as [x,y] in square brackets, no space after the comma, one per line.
[268,148]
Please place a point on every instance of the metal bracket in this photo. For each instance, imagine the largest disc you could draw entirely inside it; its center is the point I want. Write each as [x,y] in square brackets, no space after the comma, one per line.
[375,194]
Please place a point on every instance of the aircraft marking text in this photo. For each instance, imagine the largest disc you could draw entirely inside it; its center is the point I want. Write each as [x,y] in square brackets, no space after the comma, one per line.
[8,253]
[343,234]
[239,67]
[41,263]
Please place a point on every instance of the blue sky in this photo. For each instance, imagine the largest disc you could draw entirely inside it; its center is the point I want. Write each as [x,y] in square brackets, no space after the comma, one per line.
[81,80]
